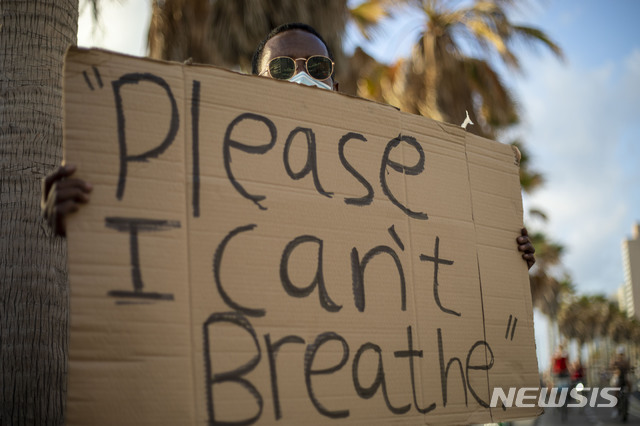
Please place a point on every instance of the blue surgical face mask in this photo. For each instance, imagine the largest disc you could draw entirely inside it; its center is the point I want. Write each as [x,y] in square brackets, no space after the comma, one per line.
[304,78]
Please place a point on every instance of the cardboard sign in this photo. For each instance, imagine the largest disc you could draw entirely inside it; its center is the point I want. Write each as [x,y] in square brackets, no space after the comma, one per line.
[259,252]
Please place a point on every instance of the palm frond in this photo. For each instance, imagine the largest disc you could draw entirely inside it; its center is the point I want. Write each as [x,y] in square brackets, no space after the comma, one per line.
[367,15]
[534,35]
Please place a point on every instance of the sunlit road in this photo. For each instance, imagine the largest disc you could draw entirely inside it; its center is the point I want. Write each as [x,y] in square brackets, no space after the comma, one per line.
[586,416]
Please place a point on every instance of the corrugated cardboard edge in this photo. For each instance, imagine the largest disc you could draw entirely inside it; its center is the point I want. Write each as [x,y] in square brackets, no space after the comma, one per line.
[469,140]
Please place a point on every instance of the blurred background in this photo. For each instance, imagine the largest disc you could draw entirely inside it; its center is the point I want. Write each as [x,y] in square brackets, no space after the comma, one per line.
[559,79]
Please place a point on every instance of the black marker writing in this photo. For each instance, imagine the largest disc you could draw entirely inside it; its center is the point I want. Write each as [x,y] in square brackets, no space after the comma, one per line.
[482,367]
[234,376]
[444,372]
[411,353]
[217,263]
[250,149]
[318,279]
[367,199]
[133,226]
[311,165]
[309,356]
[272,351]
[174,122]
[401,168]
[357,272]
[436,263]
[378,382]
[396,237]
[195,142]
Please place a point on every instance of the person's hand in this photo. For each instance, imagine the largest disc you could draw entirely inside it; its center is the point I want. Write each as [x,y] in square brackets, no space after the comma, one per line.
[62,195]
[526,247]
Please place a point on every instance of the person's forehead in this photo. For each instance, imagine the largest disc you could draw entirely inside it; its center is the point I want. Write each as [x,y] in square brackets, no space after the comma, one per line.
[295,44]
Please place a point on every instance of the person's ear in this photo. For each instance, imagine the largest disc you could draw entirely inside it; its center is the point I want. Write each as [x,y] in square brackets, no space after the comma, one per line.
[335,86]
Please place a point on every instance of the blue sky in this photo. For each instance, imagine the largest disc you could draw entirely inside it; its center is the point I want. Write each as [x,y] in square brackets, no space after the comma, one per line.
[583,128]
[582,124]
[581,118]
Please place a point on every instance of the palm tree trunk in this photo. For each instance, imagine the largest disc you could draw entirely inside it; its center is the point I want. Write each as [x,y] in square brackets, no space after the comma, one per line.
[432,78]
[33,283]
[594,379]
[554,339]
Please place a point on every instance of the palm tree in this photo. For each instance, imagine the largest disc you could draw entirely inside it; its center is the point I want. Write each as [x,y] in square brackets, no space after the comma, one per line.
[548,293]
[530,179]
[575,321]
[226,32]
[607,314]
[440,80]
[620,327]
[545,288]
[33,282]
[593,320]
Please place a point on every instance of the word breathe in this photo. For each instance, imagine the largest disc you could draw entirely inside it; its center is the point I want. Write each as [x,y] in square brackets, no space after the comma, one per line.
[255,402]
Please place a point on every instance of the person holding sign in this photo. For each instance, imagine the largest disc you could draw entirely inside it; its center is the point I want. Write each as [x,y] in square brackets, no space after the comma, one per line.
[297,53]
[294,52]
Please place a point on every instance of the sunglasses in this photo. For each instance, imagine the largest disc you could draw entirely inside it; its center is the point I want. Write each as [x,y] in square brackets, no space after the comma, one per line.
[284,67]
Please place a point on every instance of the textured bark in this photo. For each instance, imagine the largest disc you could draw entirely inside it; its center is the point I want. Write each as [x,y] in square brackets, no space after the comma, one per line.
[33,282]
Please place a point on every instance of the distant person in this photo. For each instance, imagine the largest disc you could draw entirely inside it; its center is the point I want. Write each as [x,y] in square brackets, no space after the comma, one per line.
[621,367]
[577,376]
[294,52]
[560,366]
[577,373]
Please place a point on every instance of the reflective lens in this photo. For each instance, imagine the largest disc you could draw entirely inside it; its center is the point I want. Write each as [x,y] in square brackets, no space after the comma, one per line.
[319,67]
[284,67]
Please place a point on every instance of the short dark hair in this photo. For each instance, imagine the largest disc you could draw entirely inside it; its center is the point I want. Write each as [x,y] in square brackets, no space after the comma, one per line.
[257,55]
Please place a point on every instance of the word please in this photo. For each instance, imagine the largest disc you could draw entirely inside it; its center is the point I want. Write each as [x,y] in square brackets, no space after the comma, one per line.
[233,142]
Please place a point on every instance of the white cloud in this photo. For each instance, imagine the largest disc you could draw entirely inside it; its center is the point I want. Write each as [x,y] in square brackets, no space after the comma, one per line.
[578,126]
[122,26]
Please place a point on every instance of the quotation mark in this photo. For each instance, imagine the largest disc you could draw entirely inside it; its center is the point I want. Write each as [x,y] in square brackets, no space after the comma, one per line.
[513,330]
[97,76]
